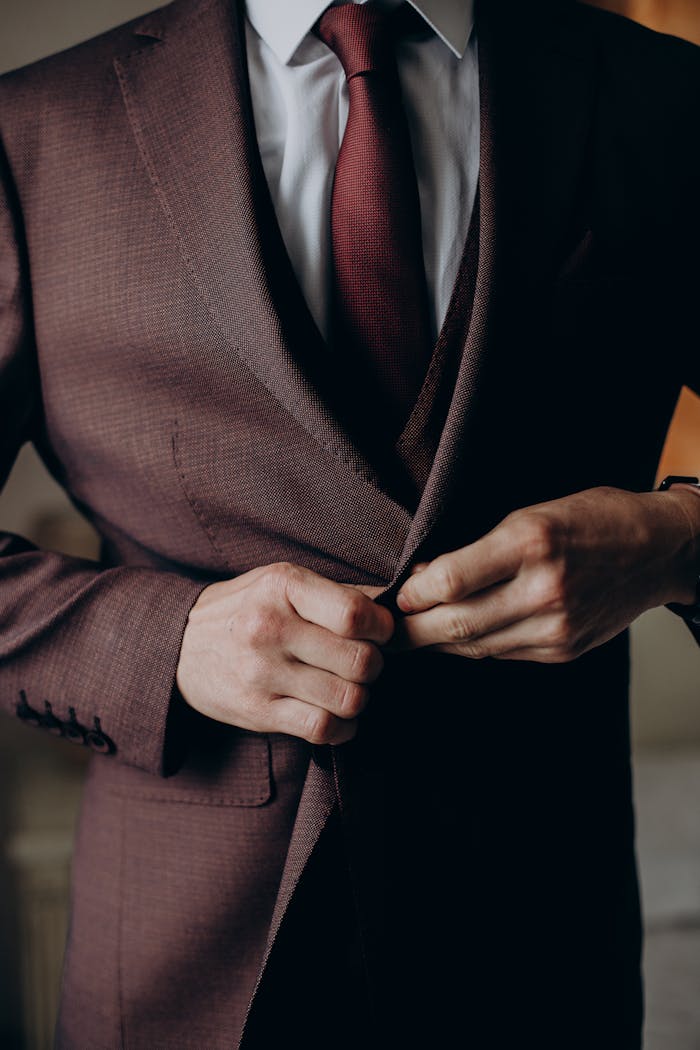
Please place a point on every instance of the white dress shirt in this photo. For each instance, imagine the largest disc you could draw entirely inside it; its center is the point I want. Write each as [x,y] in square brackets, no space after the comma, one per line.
[300,105]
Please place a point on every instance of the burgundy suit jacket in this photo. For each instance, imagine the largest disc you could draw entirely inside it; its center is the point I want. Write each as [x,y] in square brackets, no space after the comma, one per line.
[156,349]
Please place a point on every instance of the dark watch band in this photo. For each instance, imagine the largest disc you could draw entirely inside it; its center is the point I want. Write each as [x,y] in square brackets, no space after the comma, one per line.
[690,613]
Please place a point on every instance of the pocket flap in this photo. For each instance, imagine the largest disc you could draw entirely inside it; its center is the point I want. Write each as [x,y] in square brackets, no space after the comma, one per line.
[225,766]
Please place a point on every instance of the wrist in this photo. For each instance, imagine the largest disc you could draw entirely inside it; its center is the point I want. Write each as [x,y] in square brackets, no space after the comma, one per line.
[684,578]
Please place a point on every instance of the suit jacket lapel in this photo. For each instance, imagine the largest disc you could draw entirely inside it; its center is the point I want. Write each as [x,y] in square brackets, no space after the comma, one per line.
[454,433]
[185,93]
[185,90]
[536,106]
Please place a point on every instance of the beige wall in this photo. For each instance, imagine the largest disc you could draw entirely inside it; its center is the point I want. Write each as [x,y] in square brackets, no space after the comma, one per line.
[677,17]
[30,29]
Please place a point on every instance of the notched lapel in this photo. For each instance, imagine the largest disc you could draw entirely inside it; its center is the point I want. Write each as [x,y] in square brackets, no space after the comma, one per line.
[185,89]
[528,210]
[450,462]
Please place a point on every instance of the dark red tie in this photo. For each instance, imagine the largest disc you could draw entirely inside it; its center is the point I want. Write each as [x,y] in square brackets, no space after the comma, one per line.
[380,314]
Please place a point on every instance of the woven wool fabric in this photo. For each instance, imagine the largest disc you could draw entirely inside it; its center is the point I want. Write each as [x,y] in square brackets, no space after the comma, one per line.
[156,348]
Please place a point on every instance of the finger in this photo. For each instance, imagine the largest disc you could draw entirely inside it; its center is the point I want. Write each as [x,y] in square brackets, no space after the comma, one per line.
[371,590]
[539,656]
[287,714]
[322,689]
[353,659]
[490,610]
[343,610]
[457,574]
[536,634]
[418,567]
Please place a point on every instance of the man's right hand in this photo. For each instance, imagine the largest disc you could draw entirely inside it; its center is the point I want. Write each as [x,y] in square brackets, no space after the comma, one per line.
[281,649]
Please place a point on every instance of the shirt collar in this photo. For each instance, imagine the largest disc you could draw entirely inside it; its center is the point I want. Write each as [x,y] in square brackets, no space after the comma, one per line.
[283,26]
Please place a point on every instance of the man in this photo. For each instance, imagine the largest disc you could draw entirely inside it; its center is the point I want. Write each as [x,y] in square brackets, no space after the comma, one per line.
[375,508]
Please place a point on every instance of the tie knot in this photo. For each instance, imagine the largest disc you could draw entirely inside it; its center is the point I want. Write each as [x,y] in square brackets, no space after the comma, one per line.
[363,35]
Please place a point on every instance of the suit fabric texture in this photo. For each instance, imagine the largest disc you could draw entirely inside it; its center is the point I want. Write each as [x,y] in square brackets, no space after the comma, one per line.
[155,347]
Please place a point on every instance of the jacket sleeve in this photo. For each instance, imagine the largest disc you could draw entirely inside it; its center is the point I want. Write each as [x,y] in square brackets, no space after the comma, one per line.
[85,653]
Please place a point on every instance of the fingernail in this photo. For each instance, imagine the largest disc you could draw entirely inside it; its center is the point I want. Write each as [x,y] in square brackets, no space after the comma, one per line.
[403,602]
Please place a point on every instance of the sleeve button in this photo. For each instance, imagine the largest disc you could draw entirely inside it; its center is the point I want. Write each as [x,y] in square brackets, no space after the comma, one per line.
[99,741]
[72,729]
[49,721]
[25,712]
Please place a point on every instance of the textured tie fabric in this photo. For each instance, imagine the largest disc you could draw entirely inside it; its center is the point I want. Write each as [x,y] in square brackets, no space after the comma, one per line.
[380,316]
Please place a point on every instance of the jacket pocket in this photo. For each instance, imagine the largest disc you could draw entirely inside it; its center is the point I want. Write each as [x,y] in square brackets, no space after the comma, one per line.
[225,766]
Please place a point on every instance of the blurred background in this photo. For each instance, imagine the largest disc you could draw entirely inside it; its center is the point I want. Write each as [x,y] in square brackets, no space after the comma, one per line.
[41,777]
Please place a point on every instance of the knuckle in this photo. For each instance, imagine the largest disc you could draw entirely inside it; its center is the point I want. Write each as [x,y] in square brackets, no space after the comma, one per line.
[262,627]
[352,699]
[351,613]
[283,569]
[446,579]
[280,574]
[460,627]
[317,726]
[539,540]
[561,633]
[474,650]
[388,626]
[366,662]
[551,586]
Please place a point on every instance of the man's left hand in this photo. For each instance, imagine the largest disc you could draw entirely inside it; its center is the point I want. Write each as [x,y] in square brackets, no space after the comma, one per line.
[555,579]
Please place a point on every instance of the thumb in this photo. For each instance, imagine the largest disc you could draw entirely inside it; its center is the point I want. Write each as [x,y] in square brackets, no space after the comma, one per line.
[418,567]
[370,590]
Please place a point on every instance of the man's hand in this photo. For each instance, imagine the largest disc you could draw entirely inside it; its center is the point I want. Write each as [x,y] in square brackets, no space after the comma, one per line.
[280,649]
[556,579]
